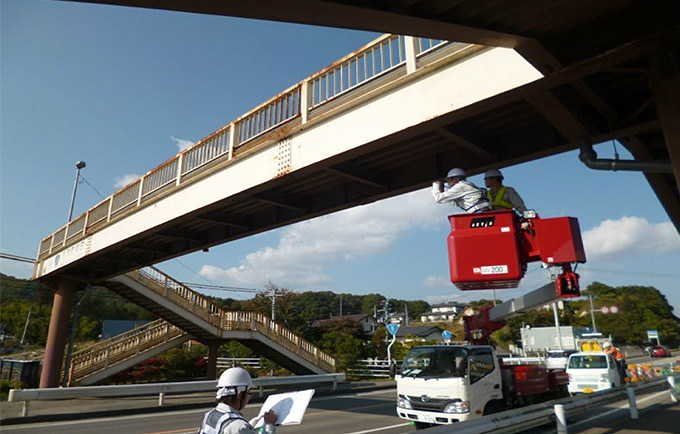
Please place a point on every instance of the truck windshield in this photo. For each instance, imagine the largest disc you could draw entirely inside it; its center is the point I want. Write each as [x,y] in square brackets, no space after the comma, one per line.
[588,362]
[435,362]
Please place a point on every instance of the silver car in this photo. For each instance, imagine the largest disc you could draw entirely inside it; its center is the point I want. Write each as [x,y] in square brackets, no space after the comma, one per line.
[557,359]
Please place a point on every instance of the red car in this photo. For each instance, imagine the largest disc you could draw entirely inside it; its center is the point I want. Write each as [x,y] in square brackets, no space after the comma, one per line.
[659,351]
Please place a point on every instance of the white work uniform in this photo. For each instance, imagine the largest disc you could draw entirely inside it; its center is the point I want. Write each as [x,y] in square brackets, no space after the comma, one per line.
[225,419]
[466,195]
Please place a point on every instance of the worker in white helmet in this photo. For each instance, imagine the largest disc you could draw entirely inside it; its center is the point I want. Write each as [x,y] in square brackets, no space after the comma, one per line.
[233,393]
[456,189]
[501,196]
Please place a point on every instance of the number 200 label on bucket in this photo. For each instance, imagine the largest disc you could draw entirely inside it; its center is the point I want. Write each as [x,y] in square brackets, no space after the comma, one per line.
[495,269]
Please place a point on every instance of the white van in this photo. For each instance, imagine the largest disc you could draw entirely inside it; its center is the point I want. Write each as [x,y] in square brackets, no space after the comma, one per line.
[592,371]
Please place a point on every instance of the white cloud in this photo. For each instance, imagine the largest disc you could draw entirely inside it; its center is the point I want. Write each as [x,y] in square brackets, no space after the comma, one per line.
[307,248]
[181,144]
[629,235]
[437,281]
[122,181]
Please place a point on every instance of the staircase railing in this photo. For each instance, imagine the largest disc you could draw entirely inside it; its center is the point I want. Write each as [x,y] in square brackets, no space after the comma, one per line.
[121,347]
[212,313]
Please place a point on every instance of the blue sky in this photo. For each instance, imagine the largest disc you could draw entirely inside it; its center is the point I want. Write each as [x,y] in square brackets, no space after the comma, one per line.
[124,89]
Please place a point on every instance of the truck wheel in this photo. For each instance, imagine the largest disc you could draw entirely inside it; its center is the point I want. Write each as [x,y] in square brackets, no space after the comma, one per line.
[493,407]
[422,425]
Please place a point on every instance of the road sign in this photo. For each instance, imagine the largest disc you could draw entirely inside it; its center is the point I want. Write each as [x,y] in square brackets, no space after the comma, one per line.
[652,334]
[604,309]
[446,335]
[614,309]
[392,328]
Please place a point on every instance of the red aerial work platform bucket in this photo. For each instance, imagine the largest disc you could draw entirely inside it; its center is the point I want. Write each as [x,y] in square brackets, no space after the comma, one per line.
[490,250]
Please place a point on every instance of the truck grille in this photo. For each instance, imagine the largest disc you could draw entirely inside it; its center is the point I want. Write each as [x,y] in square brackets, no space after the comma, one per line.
[432,405]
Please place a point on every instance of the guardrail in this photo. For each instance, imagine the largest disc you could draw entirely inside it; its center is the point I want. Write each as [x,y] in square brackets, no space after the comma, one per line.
[28,395]
[533,416]
[295,104]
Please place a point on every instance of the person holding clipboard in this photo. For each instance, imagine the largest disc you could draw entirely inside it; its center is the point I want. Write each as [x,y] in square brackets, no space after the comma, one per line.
[233,394]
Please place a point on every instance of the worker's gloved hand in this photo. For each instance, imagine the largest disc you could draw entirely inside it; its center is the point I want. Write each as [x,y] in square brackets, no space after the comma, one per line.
[524,225]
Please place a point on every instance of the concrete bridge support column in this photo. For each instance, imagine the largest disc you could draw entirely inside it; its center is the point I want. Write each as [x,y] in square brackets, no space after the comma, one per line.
[213,348]
[57,334]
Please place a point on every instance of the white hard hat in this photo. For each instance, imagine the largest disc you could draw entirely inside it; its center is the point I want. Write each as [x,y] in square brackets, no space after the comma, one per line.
[234,377]
[606,345]
[493,173]
[457,171]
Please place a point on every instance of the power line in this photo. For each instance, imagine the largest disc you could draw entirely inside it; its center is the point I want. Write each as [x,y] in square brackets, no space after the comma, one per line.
[631,272]
[220,287]
[17,258]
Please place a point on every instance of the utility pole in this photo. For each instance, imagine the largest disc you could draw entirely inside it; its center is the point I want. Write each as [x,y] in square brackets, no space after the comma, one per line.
[273,304]
[406,312]
[557,325]
[341,305]
[74,325]
[592,312]
[28,318]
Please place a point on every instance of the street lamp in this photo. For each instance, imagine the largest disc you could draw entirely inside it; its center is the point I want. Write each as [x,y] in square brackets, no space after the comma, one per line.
[79,165]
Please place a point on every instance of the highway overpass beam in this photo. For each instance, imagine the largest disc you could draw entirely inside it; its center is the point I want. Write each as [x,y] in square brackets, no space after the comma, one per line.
[57,334]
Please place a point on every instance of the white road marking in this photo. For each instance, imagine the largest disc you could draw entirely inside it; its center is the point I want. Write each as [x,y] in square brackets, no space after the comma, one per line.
[380,429]
[619,408]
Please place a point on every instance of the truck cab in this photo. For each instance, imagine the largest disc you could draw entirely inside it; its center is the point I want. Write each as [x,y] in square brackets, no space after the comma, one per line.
[592,371]
[443,384]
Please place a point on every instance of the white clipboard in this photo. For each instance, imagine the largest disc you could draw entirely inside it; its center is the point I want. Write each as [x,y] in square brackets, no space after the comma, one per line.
[289,407]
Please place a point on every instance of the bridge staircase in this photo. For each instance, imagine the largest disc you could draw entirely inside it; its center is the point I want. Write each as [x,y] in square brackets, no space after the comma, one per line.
[186,314]
[113,355]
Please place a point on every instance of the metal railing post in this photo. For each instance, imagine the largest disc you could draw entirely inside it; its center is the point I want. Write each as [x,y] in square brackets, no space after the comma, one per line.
[161,399]
[24,410]
[304,101]
[232,139]
[560,419]
[632,403]
[674,391]
[141,190]
[410,50]
[180,162]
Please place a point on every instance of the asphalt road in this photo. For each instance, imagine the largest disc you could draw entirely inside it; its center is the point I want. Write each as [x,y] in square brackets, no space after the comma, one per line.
[341,414]
[370,412]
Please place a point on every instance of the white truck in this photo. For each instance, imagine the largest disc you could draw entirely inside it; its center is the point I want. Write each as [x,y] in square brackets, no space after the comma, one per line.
[592,371]
[443,384]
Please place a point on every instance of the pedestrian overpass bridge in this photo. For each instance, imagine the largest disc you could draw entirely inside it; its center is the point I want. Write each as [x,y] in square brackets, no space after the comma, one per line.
[370,126]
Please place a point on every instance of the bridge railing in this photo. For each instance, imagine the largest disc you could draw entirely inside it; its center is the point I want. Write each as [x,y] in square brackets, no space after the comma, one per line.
[212,313]
[121,347]
[367,64]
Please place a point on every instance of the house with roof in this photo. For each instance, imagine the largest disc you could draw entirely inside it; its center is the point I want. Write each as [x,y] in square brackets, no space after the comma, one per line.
[368,322]
[418,334]
[444,312]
